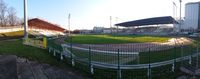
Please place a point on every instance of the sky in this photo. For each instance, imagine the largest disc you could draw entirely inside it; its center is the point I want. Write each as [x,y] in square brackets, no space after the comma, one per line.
[85,14]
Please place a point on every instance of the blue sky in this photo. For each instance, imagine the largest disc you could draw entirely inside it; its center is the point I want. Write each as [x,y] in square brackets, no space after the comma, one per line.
[86,14]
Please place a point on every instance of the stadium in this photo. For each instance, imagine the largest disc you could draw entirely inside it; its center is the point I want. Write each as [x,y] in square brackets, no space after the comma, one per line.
[150,48]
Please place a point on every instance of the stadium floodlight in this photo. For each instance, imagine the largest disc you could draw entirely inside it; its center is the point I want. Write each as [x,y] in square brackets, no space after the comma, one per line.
[174,10]
[69,22]
[175,15]
[111,24]
[25,20]
[117,25]
[180,16]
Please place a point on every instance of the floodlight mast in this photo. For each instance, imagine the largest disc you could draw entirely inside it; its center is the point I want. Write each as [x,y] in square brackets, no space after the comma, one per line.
[117,25]
[69,23]
[25,20]
[180,22]
[175,15]
[111,23]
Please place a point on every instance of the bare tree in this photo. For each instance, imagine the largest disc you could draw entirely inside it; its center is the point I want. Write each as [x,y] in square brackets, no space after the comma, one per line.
[12,17]
[3,9]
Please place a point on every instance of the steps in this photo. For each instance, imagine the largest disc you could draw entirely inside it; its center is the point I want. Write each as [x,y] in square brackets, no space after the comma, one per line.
[34,70]
[12,67]
[29,70]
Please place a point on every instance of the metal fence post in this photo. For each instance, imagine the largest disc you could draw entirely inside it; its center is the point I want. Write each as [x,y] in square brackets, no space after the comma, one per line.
[174,58]
[49,50]
[149,68]
[181,54]
[61,55]
[119,75]
[190,60]
[71,55]
[54,52]
[197,61]
[91,70]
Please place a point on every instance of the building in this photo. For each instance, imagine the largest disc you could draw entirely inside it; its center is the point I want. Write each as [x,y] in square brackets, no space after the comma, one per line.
[192,17]
[98,29]
[84,31]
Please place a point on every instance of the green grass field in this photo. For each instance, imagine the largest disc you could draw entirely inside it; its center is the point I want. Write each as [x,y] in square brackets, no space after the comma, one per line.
[115,39]
[29,52]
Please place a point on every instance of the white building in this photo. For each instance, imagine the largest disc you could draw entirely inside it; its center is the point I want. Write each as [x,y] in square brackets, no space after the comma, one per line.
[192,17]
[98,29]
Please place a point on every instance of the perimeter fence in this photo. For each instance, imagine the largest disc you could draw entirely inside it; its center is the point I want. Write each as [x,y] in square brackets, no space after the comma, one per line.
[128,61]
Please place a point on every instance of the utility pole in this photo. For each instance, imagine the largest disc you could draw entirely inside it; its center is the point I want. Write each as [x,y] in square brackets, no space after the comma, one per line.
[69,23]
[25,20]
[180,17]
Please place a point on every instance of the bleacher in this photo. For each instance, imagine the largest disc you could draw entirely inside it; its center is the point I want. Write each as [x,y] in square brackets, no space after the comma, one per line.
[151,31]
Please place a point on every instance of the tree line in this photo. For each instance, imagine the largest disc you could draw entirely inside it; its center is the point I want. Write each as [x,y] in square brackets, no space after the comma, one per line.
[8,15]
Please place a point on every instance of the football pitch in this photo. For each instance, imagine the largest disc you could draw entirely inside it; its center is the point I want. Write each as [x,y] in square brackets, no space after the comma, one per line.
[115,39]
[110,43]
[158,52]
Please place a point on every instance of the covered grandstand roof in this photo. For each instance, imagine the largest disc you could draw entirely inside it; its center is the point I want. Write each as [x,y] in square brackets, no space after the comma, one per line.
[42,24]
[149,21]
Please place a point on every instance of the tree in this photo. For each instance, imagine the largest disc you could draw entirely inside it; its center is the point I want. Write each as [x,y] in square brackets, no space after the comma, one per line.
[12,18]
[3,9]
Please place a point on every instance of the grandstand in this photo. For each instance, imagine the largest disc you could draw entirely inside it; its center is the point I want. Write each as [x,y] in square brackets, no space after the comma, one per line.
[41,27]
[151,26]
[37,27]
[151,30]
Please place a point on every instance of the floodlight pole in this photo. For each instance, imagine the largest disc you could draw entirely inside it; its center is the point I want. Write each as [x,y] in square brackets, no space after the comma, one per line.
[180,17]
[69,23]
[117,25]
[111,23]
[25,20]
[174,13]
[174,10]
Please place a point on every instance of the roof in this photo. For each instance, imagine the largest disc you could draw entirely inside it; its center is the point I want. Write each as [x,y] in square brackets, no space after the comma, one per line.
[193,3]
[41,24]
[149,21]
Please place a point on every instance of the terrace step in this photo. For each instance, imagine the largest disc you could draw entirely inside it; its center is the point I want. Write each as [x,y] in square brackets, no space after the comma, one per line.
[33,70]
[190,70]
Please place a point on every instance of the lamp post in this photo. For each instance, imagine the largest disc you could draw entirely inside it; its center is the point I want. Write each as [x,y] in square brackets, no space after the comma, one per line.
[25,20]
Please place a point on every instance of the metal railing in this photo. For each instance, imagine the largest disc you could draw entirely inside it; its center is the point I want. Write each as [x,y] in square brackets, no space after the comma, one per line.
[66,51]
